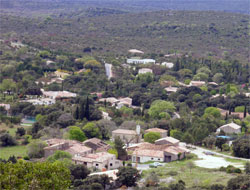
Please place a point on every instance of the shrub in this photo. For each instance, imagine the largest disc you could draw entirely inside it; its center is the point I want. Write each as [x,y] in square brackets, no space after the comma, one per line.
[172,173]
[225,147]
[26,158]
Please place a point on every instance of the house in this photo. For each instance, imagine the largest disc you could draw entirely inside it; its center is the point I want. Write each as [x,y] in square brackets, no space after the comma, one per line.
[140,61]
[212,83]
[41,101]
[182,84]
[97,144]
[145,152]
[127,136]
[162,132]
[230,128]
[247,95]
[100,160]
[5,106]
[145,70]
[118,102]
[171,89]
[135,51]
[124,102]
[167,141]
[236,114]
[70,146]
[168,64]
[61,74]
[106,116]
[48,62]
[197,83]
[58,94]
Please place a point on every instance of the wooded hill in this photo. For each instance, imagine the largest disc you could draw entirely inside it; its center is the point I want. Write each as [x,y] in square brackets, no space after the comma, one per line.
[105,31]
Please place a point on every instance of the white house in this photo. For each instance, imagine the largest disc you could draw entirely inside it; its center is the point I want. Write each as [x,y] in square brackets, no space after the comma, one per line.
[135,51]
[168,64]
[230,128]
[145,70]
[41,101]
[171,89]
[140,61]
[197,83]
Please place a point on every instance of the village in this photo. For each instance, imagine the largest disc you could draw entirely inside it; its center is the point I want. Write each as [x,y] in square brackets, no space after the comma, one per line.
[156,120]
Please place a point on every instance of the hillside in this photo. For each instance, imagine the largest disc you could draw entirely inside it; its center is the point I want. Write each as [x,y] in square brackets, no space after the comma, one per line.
[210,33]
[48,6]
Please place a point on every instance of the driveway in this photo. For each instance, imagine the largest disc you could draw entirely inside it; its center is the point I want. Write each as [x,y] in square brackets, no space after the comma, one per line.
[210,161]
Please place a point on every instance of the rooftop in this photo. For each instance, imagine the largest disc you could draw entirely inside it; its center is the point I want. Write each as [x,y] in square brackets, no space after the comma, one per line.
[232,125]
[156,130]
[124,131]
[97,157]
[169,139]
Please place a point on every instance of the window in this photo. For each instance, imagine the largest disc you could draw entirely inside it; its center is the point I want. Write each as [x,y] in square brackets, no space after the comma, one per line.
[85,163]
[111,164]
[97,165]
[152,158]
[159,159]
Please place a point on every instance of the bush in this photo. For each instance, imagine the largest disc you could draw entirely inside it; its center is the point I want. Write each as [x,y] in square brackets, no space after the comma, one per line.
[36,149]
[7,140]
[190,156]
[225,147]
[26,158]
[172,173]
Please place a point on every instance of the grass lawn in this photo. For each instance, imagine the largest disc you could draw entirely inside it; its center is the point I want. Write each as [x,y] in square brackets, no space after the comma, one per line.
[195,176]
[6,152]
[12,131]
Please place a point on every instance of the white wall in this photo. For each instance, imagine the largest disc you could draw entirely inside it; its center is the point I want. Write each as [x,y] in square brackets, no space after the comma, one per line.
[147,159]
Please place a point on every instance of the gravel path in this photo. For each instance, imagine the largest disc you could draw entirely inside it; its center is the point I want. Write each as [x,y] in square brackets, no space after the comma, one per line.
[209,161]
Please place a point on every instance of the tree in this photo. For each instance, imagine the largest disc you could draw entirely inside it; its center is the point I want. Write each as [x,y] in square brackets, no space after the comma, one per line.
[76,113]
[219,142]
[7,140]
[178,186]
[20,131]
[103,180]
[36,149]
[59,155]
[176,134]
[241,182]
[106,127]
[37,175]
[159,106]
[213,111]
[241,148]
[188,138]
[122,153]
[75,133]
[151,137]
[91,130]
[87,109]
[218,77]
[128,176]
[79,171]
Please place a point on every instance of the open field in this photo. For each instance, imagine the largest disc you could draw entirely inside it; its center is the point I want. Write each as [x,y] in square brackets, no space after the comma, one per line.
[193,177]
[6,152]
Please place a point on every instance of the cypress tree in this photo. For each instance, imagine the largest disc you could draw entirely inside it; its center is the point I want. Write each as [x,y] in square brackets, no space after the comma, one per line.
[245,111]
[87,109]
[81,111]
[76,113]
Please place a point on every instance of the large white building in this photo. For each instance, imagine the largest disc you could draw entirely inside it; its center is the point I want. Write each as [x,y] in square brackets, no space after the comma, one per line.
[230,128]
[140,61]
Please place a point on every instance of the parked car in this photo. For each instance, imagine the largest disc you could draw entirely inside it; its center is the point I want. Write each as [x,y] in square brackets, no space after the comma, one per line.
[155,164]
[208,153]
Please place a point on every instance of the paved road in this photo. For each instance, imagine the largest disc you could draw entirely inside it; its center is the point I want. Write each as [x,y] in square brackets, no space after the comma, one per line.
[209,161]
